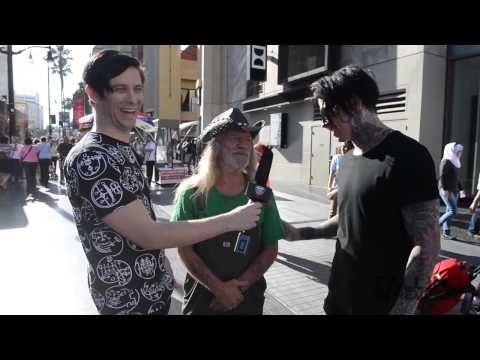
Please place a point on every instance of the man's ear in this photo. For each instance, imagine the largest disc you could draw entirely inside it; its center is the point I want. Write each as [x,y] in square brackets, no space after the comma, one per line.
[91,93]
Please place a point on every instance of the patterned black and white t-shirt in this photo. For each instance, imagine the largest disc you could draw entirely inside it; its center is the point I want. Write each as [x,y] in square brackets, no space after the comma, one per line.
[102,175]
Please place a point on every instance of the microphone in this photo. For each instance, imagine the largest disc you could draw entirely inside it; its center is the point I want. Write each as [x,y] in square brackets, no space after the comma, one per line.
[258,192]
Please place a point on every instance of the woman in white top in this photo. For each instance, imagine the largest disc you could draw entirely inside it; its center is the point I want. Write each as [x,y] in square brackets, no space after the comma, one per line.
[150,151]
[17,173]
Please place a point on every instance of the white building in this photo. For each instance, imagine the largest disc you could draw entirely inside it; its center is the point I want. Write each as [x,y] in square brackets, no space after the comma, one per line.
[30,105]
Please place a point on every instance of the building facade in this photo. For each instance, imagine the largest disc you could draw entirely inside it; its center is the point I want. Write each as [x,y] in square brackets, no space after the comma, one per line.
[171,79]
[3,77]
[30,106]
[428,92]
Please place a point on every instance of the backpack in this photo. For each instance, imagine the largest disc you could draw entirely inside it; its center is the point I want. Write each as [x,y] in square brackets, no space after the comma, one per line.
[449,280]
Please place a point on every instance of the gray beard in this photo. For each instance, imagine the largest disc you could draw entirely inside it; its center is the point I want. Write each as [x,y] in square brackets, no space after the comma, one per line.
[234,164]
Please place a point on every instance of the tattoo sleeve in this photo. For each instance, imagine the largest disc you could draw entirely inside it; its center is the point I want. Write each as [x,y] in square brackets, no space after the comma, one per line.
[421,223]
[260,265]
[197,268]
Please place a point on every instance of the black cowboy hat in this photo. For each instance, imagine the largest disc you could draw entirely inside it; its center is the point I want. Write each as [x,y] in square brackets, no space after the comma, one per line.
[230,119]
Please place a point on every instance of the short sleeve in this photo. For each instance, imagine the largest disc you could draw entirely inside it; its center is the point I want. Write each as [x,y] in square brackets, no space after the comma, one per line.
[103,181]
[334,163]
[272,229]
[184,207]
[414,177]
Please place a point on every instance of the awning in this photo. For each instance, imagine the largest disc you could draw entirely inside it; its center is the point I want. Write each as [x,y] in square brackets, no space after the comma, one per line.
[184,125]
[145,126]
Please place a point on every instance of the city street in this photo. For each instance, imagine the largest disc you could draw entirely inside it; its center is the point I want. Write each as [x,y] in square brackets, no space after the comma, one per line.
[43,267]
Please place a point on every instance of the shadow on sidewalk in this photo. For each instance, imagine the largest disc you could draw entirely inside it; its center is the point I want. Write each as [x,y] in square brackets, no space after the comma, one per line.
[315,271]
[52,202]
[475,260]
[12,201]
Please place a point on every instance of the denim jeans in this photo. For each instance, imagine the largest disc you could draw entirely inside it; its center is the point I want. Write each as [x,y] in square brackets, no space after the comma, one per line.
[474,227]
[451,210]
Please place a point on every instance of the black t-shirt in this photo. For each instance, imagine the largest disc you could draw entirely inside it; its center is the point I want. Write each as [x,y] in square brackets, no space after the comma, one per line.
[373,247]
[102,175]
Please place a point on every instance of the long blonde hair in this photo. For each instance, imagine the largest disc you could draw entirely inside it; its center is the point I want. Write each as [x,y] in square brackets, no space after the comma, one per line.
[208,170]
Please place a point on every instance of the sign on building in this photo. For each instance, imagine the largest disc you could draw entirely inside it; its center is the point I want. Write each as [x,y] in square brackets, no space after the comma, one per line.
[278,129]
[257,62]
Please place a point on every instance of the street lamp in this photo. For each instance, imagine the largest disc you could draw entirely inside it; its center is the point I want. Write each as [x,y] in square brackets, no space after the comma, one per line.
[11,95]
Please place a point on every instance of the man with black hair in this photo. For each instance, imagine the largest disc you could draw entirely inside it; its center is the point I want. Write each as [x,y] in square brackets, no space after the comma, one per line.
[129,273]
[388,235]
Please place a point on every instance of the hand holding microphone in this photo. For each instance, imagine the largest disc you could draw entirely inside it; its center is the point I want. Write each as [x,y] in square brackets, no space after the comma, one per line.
[256,192]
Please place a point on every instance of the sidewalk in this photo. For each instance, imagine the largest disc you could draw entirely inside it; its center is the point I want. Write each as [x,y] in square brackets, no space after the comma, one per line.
[297,280]
[43,265]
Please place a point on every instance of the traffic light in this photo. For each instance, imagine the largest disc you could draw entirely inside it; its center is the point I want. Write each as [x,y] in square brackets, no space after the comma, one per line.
[53,120]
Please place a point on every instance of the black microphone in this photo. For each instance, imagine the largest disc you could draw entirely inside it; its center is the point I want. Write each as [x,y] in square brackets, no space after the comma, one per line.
[258,192]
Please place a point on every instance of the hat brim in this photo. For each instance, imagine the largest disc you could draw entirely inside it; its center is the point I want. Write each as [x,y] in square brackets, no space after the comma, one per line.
[254,130]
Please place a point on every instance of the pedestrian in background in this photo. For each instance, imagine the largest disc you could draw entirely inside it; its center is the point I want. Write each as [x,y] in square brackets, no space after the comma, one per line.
[150,159]
[29,159]
[17,173]
[44,158]
[63,149]
[332,188]
[449,184]
[6,151]
[474,225]
[53,166]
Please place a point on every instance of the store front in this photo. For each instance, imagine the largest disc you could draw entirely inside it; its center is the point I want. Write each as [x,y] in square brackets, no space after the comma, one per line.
[462,109]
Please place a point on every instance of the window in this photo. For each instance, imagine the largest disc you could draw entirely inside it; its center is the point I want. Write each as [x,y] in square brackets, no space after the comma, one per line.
[301,61]
[188,99]
[254,88]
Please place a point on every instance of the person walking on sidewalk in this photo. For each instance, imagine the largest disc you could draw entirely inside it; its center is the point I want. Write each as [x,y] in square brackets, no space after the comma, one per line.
[449,185]
[474,225]
[150,159]
[17,164]
[220,280]
[6,162]
[332,188]
[29,159]
[44,158]
[54,150]
[63,149]
[388,236]
[123,243]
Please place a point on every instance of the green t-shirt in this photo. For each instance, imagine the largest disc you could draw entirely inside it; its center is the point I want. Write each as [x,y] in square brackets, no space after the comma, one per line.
[218,203]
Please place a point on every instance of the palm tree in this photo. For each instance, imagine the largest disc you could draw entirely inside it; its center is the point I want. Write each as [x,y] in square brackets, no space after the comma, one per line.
[61,66]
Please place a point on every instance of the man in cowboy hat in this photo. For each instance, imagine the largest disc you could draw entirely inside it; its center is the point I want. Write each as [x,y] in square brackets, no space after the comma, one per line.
[221,280]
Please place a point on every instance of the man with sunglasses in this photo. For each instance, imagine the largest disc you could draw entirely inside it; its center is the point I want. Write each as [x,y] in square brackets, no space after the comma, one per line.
[388,235]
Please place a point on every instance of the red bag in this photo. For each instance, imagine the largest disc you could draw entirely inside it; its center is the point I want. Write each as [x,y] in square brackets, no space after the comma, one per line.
[450,279]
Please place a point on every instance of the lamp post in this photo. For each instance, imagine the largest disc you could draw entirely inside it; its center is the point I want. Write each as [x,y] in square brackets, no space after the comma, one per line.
[11,94]
[49,59]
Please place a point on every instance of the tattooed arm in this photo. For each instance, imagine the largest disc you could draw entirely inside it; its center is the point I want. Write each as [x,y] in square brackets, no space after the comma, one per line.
[421,223]
[326,229]
[227,294]
[259,266]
